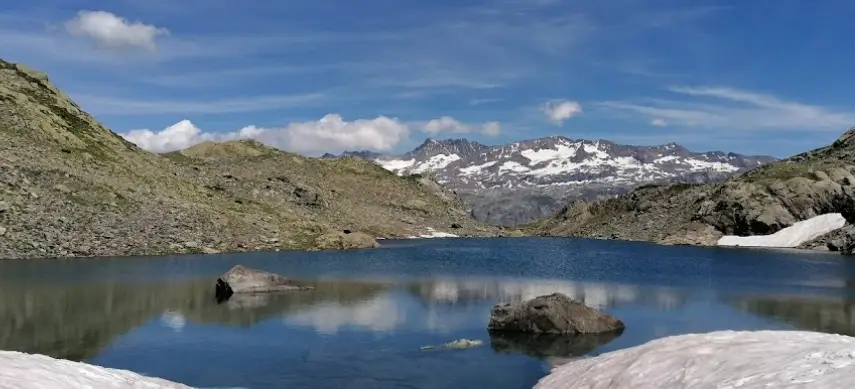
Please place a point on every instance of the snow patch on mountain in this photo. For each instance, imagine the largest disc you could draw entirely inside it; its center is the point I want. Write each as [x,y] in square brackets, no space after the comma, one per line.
[791,236]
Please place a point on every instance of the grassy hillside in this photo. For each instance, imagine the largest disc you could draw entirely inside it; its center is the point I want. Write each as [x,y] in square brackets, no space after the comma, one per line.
[760,201]
[71,187]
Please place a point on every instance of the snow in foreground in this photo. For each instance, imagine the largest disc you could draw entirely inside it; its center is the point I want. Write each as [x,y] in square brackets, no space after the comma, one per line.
[725,359]
[791,236]
[29,371]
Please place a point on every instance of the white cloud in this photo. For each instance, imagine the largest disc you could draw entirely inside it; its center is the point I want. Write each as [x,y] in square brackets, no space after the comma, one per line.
[658,123]
[560,111]
[330,133]
[491,128]
[112,31]
[447,124]
[733,109]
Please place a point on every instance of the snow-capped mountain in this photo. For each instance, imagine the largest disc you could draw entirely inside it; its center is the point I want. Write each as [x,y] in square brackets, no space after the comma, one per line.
[521,181]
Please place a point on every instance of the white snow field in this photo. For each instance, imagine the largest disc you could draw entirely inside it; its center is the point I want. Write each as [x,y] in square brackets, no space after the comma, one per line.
[32,371]
[720,360]
[791,236]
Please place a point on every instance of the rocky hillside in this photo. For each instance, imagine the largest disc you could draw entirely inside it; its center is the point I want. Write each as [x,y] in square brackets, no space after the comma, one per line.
[758,202]
[71,187]
[522,181]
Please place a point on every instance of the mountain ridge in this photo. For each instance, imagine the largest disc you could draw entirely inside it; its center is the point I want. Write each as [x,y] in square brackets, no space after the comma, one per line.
[760,201]
[521,181]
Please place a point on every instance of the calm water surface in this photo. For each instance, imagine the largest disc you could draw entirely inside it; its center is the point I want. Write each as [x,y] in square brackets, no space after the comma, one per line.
[372,310]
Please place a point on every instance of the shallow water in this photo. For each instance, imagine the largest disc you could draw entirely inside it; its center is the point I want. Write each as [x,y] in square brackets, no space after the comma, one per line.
[372,310]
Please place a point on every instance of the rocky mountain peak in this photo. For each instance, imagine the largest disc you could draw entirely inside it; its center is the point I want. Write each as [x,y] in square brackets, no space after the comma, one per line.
[460,147]
[543,173]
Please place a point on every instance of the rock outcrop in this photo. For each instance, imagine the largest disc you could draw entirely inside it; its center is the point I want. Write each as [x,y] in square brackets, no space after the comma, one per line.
[552,314]
[69,187]
[761,201]
[841,240]
[240,279]
[345,240]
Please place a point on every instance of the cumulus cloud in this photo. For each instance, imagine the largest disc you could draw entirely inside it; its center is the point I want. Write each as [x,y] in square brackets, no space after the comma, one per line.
[330,133]
[734,109]
[113,31]
[449,125]
[560,111]
[658,123]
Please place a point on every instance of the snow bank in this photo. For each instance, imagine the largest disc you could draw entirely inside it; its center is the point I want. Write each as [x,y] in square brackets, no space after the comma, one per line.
[724,359]
[29,371]
[432,233]
[791,236]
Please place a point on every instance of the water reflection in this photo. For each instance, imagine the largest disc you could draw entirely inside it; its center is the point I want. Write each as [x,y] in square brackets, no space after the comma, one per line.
[452,292]
[824,314]
[544,346]
[77,320]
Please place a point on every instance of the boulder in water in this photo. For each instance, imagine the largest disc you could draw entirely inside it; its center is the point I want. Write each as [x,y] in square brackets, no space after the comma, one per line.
[240,279]
[555,314]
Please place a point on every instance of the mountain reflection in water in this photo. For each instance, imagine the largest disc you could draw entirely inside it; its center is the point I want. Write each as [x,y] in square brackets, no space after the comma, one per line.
[78,320]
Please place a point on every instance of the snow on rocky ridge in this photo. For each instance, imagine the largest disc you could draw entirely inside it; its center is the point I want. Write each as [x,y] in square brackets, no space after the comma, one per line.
[521,181]
[723,359]
[464,164]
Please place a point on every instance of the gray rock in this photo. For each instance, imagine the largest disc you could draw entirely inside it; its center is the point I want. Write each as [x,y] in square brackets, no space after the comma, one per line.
[555,313]
[62,188]
[210,250]
[191,245]
[240,279]
[2,231]
[4,206]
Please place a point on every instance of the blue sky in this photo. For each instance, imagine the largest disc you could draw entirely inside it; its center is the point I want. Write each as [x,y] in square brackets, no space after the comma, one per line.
[760,76]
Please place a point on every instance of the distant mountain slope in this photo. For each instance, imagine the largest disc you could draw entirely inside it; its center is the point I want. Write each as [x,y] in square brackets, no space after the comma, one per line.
[522,181]
[758,202]
[71,187]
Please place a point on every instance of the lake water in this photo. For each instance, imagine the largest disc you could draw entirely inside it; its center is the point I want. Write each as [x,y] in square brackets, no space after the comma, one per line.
[372,310]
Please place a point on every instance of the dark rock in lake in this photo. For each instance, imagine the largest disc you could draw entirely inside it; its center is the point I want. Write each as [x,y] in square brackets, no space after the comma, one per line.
[543,346]
[555,314]
[241,279]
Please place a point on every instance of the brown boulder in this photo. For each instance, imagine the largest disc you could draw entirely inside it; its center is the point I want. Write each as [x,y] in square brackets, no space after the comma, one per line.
[555,314]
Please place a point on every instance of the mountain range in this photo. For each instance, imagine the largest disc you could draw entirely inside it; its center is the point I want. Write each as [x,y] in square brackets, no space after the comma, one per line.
[519,182]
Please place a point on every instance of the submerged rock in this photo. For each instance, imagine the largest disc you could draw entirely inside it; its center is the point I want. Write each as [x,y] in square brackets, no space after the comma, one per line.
[463,343]
[240,279]
[555,313]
